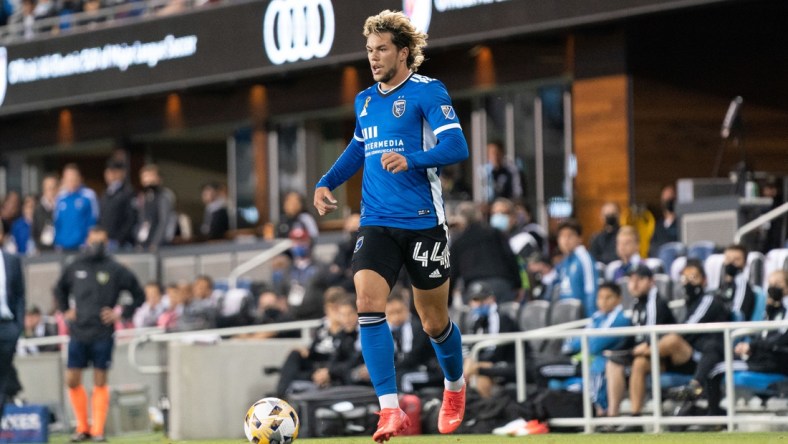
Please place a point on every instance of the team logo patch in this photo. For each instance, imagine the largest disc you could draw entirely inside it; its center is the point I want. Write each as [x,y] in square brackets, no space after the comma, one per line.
[448,112]
[359,243]
[102,277]
[364,110]
[399,108]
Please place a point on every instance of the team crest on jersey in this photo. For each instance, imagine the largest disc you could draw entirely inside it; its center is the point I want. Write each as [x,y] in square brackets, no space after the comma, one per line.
[399,108]
[448,112]
[102,277]
[364,110]
[359,243]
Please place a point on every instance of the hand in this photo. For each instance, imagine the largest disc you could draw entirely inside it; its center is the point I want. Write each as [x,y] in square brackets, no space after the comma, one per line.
[641,349]
[742,349]
[321,377]
[70,315]
[324,201]
[108,316]
[394,162]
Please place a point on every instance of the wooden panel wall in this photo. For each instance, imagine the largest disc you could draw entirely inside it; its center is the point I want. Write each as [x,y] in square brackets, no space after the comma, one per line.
[600,111]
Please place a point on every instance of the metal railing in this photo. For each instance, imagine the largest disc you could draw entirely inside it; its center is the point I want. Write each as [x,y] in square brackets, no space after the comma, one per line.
[258,260]
[730,331]
[759,221]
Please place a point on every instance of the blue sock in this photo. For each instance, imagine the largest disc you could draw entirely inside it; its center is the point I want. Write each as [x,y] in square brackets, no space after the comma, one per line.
[377,347]
[448,349]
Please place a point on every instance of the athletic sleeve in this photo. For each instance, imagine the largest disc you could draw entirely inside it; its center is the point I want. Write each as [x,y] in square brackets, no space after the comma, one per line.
[451,145]
[348,163]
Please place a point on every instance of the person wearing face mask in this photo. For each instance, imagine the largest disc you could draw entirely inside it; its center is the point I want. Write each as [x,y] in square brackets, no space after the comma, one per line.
[735,289]
[666,229]
[603,244]
[680,353]
[156,217]
[304,277]
[482,254]
[502,217]
[94,281]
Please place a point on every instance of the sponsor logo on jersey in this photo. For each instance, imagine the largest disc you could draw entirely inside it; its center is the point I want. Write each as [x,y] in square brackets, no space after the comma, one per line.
[399,108]
[448,112]
[102,277]
[3,76]
[298,30]
[359,243]
[364,110]
[419,12]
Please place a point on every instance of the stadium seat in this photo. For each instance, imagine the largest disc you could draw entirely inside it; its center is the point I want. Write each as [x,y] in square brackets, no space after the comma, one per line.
[627,301]
[610,270]
[532,317]
[776,259]
[756,268]
[664,285]
[713,268]
[701,250]
[510,309]
[655,264]
[669,252]
[566,310]
[676,267]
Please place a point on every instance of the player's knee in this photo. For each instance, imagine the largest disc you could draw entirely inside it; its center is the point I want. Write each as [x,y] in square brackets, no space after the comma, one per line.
[434,327]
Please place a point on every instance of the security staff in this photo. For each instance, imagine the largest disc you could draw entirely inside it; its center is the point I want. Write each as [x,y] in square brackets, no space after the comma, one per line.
[12,316]
[93,282]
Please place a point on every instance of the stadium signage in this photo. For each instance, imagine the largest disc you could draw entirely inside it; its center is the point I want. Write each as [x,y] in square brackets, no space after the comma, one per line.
[254,39]
[298,30]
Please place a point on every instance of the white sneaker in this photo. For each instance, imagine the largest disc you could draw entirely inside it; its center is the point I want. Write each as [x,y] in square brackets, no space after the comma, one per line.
[510,428]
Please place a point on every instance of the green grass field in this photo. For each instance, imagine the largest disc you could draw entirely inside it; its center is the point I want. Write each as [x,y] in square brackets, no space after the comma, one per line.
[666,438]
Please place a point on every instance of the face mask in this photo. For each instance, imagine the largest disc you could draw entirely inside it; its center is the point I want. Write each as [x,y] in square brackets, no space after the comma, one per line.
[482,311]
[693,290]
[96,249]
[611,220]
[499,221]
[775,294]
[271,313]
[732,270]
[669,205]
[300,251]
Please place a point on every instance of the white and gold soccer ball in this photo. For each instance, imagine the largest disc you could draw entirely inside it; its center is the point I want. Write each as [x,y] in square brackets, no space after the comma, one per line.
[271,421]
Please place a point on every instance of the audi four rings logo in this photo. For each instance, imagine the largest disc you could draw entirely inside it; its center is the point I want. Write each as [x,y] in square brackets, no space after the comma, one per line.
[298,30]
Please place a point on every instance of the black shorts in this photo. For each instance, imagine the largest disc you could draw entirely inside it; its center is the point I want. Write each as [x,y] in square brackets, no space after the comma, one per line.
[385,250]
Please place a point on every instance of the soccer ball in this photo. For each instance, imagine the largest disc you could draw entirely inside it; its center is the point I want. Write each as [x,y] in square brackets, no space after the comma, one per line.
[271,421]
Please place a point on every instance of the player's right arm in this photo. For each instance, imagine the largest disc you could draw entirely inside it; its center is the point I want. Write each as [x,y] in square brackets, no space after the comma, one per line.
[348,163]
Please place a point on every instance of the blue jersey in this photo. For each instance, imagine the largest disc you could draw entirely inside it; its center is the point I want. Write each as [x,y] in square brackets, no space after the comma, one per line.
[415,119]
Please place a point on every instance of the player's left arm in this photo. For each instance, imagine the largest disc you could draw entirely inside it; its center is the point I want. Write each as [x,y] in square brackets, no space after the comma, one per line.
[451,145]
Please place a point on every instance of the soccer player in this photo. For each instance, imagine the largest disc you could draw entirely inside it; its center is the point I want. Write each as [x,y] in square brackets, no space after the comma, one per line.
[406,130]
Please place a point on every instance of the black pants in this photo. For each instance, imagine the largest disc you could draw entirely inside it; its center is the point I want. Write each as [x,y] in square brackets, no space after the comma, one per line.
[7,350]
[296,367]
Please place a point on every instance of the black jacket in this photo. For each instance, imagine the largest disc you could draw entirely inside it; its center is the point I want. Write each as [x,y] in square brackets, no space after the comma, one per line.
[704,309]
[650,310]
[482,252]
[95,282]
[42,217]
[156,217]
[117,213]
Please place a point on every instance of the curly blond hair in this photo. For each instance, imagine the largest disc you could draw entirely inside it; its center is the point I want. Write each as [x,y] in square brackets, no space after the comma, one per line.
[403,34]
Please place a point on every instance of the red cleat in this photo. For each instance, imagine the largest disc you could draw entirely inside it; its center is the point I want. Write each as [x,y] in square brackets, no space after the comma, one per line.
[452,411]
[392,422]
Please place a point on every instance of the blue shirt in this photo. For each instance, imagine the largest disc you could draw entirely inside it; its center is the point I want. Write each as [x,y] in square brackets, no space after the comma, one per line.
[598,344]
[577,278]
[74,214]
[415,119]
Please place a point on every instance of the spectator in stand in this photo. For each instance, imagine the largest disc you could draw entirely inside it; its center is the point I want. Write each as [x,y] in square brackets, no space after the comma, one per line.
[204,301]
[452,185]
[502,217]
[296,216]
[272,308]
[650,309]
[332,354]
[735,289]
[610,315]
[340,271]
[43,229]
[10,210]
[666,229]
[216,221]
[20,229]
[117,206]
[92,15]
[22,22]
[774,236]
[37,326]
[492,370]
[482,254]
[576,275]
[76,210]
[524,221]
[503,177]
[156,218]
[6,11]
[627,246]
[295,278]
[177,301]
[680,352]
[154,306]
[603,244]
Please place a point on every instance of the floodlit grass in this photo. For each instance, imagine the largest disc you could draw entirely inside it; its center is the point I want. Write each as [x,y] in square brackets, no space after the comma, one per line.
[554,438]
